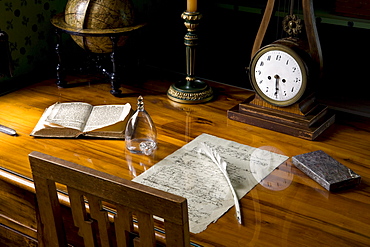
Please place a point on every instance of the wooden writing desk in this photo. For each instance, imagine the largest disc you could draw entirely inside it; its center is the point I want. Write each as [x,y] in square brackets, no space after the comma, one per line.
[286,209]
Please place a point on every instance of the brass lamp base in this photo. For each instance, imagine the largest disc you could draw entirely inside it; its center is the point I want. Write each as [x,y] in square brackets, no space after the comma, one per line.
[190,90]
[190,93]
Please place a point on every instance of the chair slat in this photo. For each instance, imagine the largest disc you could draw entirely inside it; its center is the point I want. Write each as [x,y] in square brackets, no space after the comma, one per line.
[81,218]
[146,229]
[94,225]
[175,234]
[124,225]
[101,216]
[52,232]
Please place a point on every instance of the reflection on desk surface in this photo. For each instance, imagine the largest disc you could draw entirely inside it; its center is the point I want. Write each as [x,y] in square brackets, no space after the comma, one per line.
[286,208]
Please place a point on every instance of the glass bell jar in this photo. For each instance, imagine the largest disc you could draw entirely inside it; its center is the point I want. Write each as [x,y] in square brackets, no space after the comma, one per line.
[141,134]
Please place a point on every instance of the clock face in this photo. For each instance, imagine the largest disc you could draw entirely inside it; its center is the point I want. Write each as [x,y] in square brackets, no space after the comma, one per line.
[278,75]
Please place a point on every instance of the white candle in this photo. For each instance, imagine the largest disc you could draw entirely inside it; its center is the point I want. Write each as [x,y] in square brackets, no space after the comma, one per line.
[191,6]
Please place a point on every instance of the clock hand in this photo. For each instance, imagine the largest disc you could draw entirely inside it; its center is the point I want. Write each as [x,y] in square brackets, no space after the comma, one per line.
[276,84]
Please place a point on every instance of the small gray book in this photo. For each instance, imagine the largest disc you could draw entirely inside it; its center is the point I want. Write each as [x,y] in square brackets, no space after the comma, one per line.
[325,170]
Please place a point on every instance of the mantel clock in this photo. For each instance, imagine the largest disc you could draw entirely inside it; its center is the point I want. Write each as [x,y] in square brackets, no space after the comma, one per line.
[284,75]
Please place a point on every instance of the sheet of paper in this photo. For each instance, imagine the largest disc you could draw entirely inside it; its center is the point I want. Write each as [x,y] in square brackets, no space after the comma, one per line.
[192,175]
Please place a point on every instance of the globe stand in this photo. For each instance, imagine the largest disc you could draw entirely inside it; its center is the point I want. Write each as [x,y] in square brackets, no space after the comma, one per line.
[114,34]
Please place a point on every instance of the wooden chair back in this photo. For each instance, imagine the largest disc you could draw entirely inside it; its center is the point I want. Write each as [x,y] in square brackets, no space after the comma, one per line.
[89,190]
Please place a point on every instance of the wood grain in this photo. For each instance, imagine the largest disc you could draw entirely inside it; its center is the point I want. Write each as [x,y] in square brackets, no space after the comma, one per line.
[99,188]
[287,208]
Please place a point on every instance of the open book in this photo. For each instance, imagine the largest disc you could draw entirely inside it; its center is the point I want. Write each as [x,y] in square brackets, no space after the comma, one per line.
[66,120]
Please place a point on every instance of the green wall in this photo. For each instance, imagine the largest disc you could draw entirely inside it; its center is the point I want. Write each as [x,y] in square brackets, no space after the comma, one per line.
[31,36]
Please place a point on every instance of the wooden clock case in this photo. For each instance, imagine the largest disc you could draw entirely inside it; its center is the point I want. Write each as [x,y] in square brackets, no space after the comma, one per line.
[306,118]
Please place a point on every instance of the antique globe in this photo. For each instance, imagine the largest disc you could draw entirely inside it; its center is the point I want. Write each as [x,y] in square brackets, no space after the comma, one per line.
[99,15]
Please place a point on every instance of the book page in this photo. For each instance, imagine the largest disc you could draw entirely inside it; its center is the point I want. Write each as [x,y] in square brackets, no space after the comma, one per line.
[70,115]
[106,115]
[191,174]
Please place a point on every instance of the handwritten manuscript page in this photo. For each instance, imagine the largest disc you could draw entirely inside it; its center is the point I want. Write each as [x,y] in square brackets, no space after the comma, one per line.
[190,174]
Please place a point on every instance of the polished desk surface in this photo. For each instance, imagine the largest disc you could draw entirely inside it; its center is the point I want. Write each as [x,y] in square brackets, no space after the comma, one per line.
[287,208]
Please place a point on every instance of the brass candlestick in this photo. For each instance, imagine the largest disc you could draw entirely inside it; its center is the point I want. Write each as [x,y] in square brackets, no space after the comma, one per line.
[190,90]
